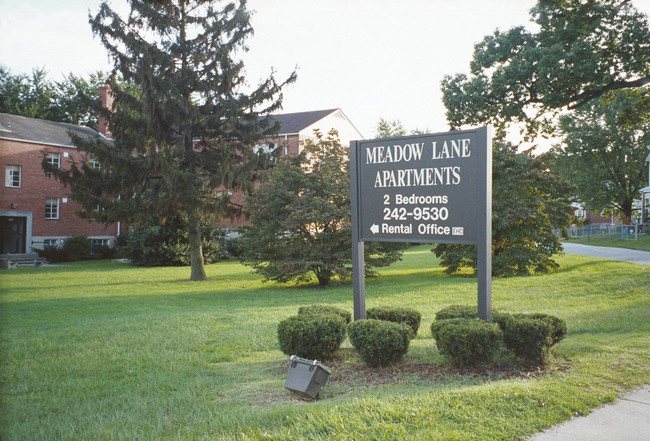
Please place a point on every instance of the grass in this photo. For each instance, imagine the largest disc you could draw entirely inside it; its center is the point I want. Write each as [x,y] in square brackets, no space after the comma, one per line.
[642,242]
[104,351]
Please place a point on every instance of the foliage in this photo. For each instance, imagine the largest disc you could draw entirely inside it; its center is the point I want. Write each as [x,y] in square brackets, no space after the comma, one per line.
[439,324]
[75,100]
[166,244]
[379,342]
[557,326]
[325,309]
[602,155]
[457,311]
[529,201]
[406,316]
[312,336]
[76,248]
[468,342]
[183,118]
[582,50]
[528,338]
[394,128]
[389,129]
[299,218]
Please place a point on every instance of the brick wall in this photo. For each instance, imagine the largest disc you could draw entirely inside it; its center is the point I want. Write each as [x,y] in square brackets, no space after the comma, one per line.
[36,187]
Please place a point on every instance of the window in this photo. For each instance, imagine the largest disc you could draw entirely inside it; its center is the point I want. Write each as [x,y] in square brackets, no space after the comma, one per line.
[266,148]
[50,243]
[94,163]
[54,159]
[12,176]
[100,242]
[52,208]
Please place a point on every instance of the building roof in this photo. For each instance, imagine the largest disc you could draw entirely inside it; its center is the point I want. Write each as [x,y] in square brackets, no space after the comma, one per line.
[295,122]
[22,128]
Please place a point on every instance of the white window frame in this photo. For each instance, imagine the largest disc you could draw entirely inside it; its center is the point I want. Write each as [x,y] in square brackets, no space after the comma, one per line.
[52,208]
[54,159]
[50,243]
[94,163]
[11,172]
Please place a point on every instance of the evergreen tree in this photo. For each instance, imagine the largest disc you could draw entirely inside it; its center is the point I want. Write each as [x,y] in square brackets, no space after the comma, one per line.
[182,123]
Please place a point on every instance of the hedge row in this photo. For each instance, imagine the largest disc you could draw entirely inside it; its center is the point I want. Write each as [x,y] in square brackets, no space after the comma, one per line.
[383,338]
[528,336]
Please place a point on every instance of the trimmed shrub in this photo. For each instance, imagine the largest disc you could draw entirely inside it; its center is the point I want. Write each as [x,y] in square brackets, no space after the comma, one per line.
[470,341]
[379,342]
[528,338]
[406,316]
[325,309]
[457,311]
[316,337]
[439,324]
[558,326]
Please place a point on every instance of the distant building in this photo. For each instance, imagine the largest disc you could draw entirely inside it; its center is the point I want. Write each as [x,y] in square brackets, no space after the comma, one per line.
[295,128]
[35,210]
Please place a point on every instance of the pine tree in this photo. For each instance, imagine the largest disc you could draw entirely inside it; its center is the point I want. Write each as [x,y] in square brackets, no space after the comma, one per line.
[182,123]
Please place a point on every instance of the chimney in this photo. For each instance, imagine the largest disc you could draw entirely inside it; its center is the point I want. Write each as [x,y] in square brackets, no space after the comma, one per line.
[106,97]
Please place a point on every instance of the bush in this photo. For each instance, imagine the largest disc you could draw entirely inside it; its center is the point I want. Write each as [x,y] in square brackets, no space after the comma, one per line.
[168,245]
[405,316]
[74,248]
[378,342]
[100,252]
[469,341]
[528,338]
[457,311]
[325,309]
[439,324]
[311,336]
[558,326]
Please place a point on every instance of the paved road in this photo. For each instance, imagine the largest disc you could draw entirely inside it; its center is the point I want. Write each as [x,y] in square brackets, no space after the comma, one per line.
[636,256]
[628,419]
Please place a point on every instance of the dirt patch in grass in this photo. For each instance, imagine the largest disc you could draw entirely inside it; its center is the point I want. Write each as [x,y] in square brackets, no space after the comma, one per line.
[350,374]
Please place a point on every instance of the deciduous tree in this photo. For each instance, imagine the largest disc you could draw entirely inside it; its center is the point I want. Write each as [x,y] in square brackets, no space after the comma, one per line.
[300,218]
[603,155]
[529,200]
[582,50]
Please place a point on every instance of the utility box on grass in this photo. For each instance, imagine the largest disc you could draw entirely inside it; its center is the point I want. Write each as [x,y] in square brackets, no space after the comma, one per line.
[306,377]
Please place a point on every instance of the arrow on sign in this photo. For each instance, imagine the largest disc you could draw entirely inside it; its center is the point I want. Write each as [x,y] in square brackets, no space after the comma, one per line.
[374,228]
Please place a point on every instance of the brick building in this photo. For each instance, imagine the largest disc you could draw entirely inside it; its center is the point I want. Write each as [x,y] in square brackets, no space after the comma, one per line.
[295,128]
[35,210]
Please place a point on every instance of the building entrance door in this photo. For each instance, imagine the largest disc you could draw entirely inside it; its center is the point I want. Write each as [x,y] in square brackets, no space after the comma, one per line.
[12,234]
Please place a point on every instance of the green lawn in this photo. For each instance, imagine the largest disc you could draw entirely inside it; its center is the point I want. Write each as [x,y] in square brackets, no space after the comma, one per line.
[104,351]
[641,243]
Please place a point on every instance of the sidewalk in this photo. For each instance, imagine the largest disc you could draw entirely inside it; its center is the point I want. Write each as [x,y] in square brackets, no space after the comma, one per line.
[628,419]
[624,254]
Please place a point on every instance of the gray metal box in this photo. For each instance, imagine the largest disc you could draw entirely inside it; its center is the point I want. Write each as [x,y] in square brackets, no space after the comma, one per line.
[306,377]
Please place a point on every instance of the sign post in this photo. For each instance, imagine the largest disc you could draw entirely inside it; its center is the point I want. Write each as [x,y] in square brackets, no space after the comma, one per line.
[434,188]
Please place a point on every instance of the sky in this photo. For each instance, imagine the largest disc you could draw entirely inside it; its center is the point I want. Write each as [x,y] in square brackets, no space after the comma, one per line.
[371,58]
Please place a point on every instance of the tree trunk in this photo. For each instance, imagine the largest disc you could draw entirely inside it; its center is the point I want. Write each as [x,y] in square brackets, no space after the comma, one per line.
[196,251]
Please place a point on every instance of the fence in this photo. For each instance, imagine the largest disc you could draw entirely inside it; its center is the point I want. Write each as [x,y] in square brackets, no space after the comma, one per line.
[626,232]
